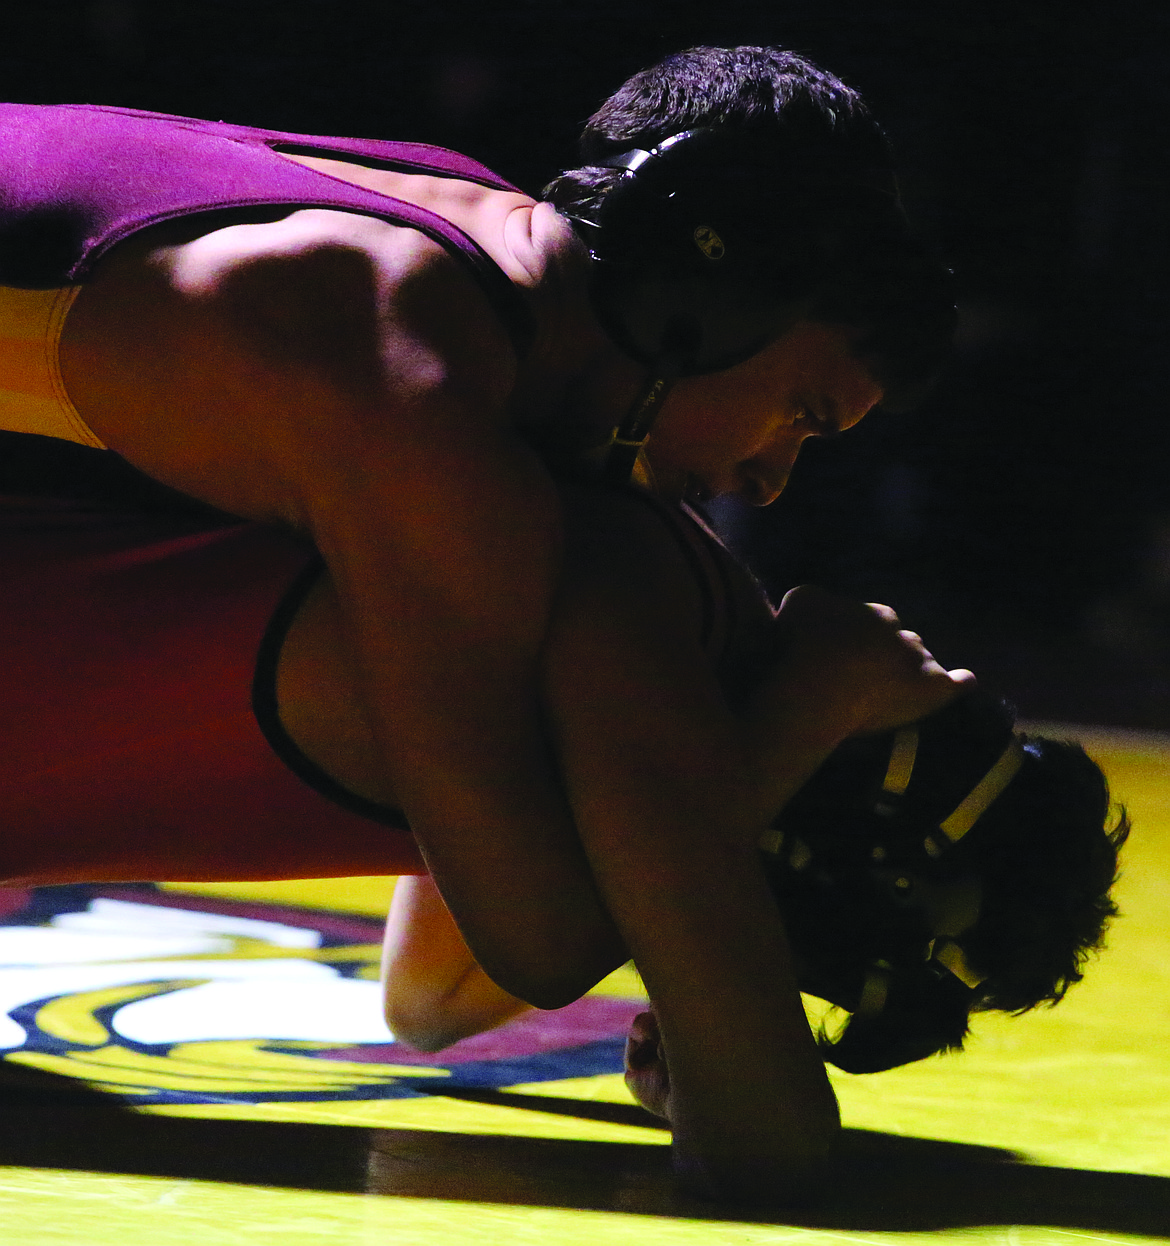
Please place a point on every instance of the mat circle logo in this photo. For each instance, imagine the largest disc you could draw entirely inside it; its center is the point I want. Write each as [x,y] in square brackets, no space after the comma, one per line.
[167,999]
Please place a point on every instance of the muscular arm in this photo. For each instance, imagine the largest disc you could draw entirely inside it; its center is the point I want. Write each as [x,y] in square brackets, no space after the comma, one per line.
[442,534]
[348,378]
[658,773]
[670,792]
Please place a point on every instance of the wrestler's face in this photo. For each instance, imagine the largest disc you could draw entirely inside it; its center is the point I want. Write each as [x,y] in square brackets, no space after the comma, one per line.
[740,430]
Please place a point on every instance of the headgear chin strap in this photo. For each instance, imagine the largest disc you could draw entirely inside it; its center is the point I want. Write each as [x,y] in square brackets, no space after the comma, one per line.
[950,956]
[979,799]
[903,755]
[945,952]
[729,234]
[629,438]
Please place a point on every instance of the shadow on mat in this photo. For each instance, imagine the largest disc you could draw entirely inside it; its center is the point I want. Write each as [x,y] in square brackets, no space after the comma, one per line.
[880,1182]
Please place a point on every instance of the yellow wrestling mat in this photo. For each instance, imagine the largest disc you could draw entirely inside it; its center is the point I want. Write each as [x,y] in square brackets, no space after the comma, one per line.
[126,1116]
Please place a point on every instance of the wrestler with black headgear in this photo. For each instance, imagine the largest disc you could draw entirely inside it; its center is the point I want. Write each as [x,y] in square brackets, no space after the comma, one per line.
[392,353]
[953,866]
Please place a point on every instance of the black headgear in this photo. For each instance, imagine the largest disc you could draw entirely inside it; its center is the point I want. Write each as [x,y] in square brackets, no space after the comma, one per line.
[704,248]
[913,997]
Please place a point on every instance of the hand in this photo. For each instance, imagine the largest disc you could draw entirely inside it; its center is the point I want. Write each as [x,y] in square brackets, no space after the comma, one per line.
[646,1073]
[849,669]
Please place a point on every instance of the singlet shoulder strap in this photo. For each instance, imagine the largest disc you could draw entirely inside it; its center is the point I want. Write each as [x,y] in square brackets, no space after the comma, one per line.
[390,154]
[267,711]
[110,172]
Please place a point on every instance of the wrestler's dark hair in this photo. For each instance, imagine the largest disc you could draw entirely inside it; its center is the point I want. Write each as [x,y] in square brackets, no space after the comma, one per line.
[1044,853]
[836,207]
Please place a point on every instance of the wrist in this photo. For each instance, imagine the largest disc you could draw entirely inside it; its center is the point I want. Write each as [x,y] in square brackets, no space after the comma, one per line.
[809,704]
[755,1178]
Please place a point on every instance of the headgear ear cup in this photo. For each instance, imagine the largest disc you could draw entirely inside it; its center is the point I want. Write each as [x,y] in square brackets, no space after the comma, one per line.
[923,1013]
[715,242]
[678,251]
[727,231]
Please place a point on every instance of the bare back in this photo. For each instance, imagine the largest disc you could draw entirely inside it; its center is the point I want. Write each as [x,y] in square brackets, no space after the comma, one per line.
[224,362]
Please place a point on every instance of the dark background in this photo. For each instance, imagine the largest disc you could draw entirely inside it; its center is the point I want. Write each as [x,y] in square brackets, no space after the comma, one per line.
[1021,519]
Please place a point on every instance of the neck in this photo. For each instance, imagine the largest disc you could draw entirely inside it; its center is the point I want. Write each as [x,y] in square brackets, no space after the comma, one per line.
[575,387]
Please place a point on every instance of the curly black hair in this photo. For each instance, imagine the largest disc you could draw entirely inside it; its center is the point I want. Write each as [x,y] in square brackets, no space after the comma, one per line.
[1044,856]
[1047,865]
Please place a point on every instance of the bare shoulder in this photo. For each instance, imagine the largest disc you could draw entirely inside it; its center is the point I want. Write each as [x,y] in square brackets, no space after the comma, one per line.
[623,557]
[310,328]
[542,249]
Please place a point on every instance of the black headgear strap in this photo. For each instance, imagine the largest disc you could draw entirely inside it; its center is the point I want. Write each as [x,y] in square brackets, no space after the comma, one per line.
[725,311]
[629,437]
[946,952]
[676,354]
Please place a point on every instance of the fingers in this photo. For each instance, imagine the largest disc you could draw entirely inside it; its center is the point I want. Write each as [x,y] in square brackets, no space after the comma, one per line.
[940,690]
[887,613]
[642,1042]
[931,666]
[809,600]
[646,1073]
[651,1089]
[645,1025]
[853,665]
[920,656]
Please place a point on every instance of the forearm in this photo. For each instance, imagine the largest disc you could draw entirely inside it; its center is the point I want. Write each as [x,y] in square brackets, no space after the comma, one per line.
[471,1006]
[752,1108]
[670,814]
[782,744]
